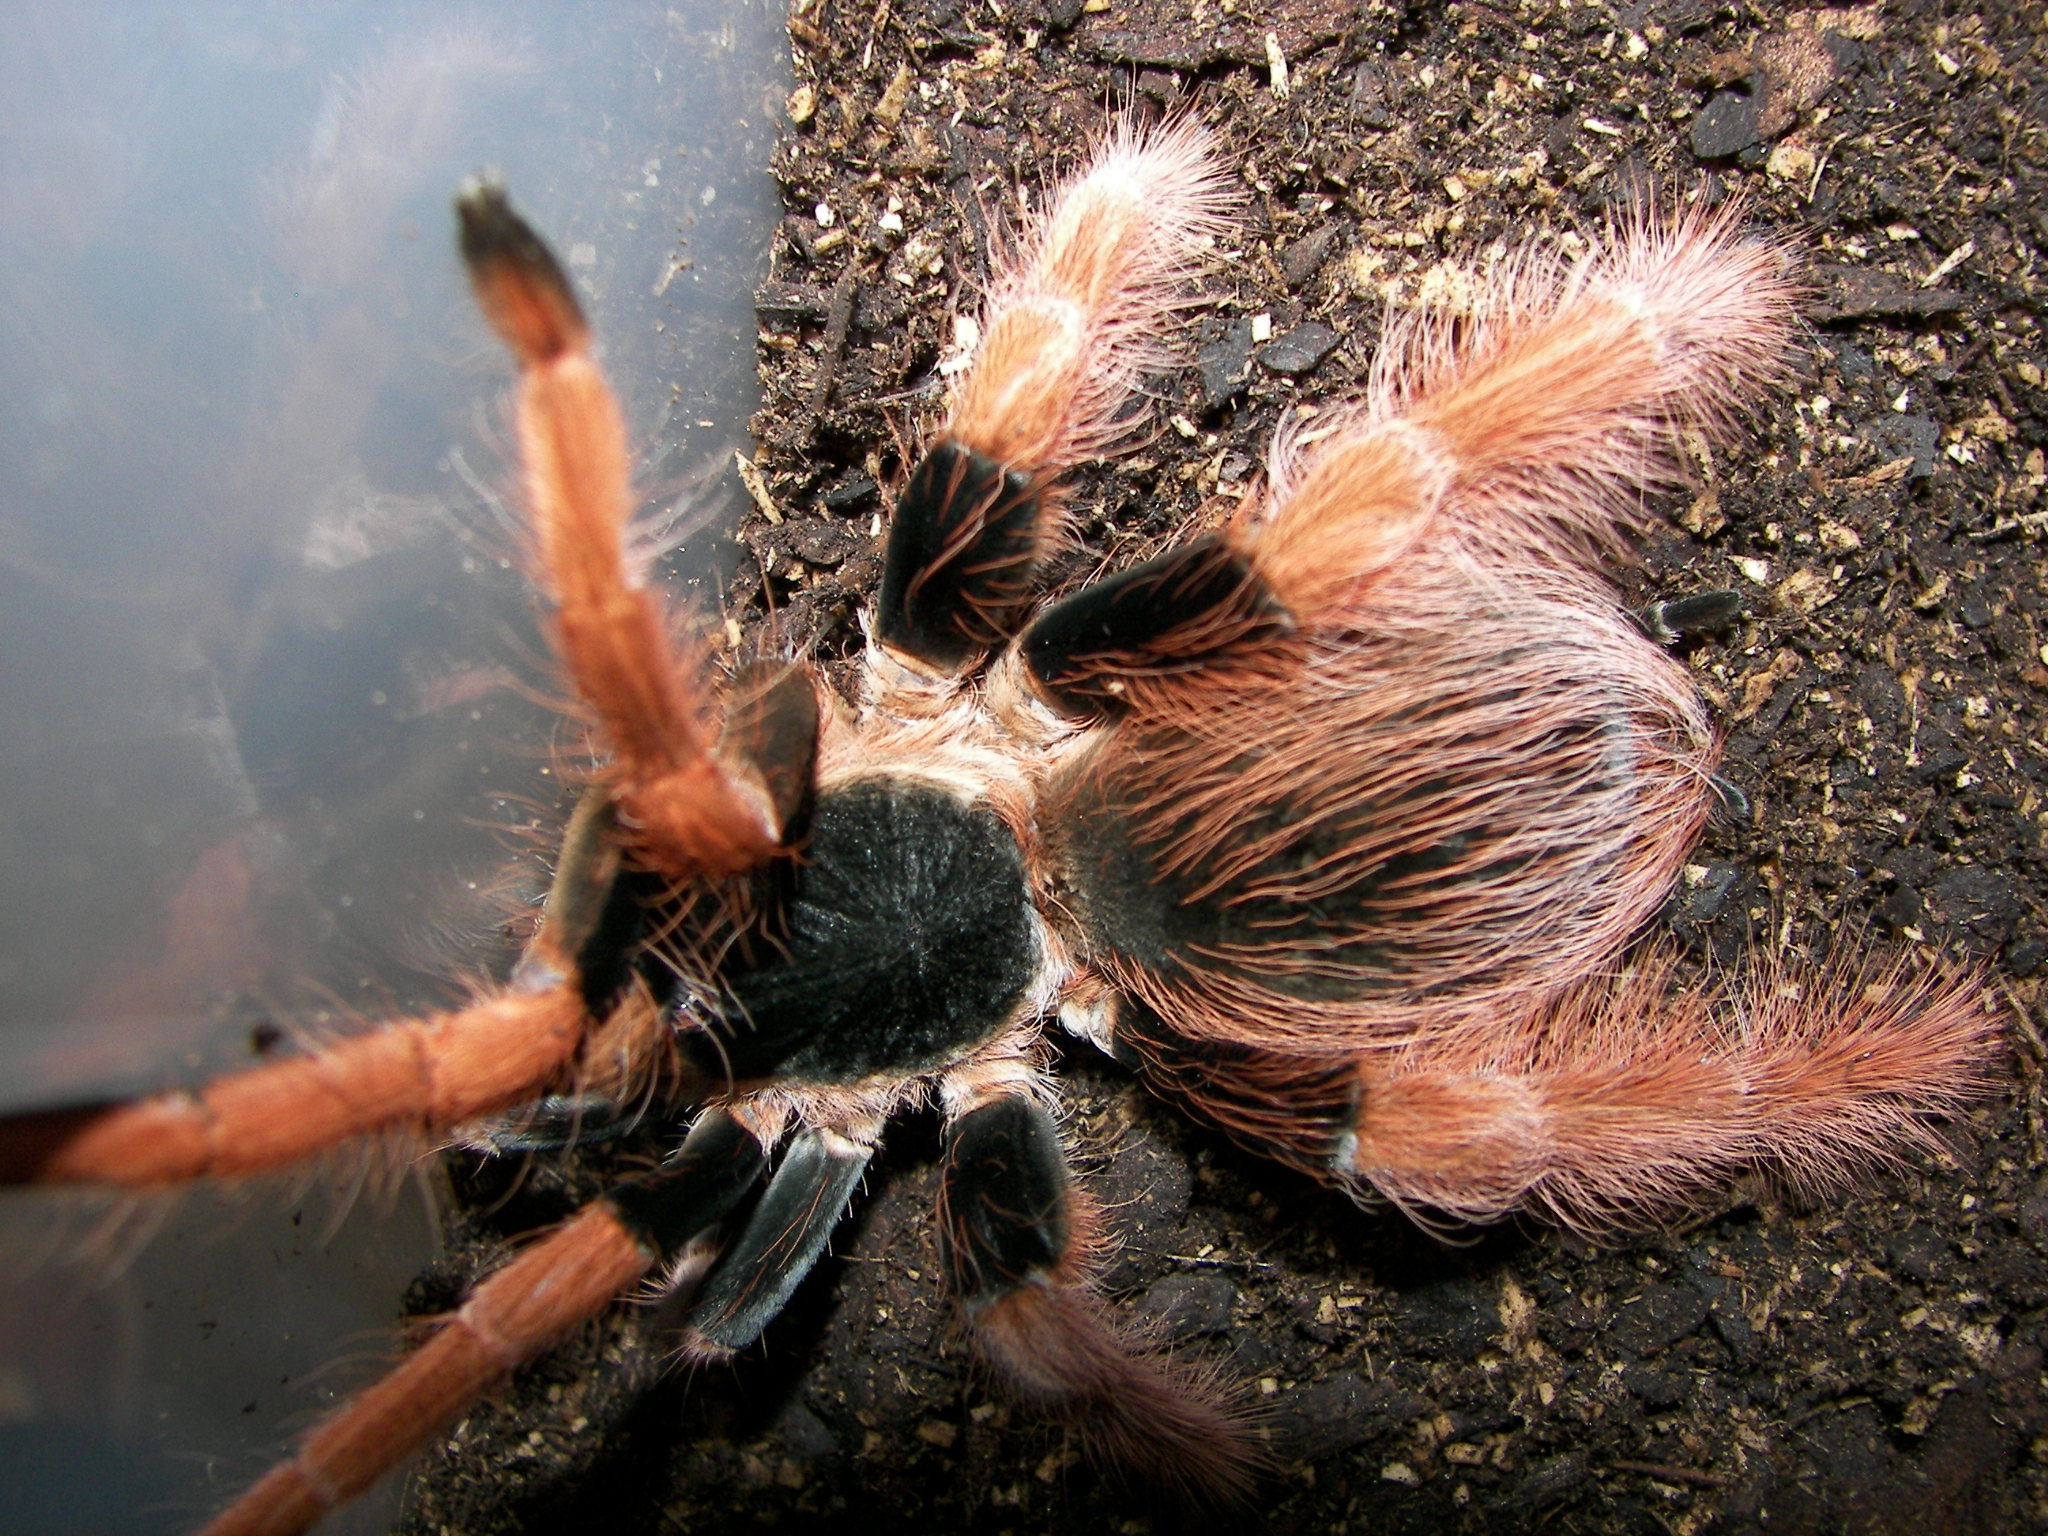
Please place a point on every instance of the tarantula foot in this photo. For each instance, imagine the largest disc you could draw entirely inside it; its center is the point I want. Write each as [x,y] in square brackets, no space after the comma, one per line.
[1731,804]
[1670,620]
[520,287]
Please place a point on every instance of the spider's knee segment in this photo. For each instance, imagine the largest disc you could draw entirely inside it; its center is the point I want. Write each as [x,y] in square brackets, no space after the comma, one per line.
[1005,1219]
[1191,608]
[963,543]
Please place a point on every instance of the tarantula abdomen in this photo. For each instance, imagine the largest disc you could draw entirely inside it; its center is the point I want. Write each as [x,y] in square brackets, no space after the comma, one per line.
[1371,834]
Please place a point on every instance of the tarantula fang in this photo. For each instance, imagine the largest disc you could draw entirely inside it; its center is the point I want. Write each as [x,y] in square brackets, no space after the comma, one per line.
[1341,821]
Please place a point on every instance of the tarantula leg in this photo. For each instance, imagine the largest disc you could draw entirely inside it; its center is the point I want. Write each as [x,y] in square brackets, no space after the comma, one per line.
[517,1312]
[692,811]
[695,1186]
[1190,608]
[1352,510]
[1672,619]
[432,1073]
[1296,1108]
[782,1239]
[1626,1100]
[1528,428]
[1071,324]
[771,723]
[593,917]
[1014,1236]
[557,1123]
[1622,1100]
[1005,1220]
[1731,802]
[512,1316]
[963,544]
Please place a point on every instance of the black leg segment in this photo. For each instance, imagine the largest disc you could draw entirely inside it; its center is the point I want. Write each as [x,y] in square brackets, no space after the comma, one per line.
[561,1121]
[695,1186]
[1186,609]
[1004,1219]
[589,919]
[771,721]
[962,547]
[782,1239]
[600,913]
[1670,620]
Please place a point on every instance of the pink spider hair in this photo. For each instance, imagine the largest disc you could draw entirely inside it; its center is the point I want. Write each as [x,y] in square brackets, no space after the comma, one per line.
[1525,428]
[1074,314]
[1465,749]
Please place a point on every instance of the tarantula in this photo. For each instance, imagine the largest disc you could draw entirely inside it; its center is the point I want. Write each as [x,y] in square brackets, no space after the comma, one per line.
[1339,821]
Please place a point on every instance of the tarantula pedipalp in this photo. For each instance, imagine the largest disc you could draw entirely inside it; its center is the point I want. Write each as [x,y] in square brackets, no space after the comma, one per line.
[1338,821]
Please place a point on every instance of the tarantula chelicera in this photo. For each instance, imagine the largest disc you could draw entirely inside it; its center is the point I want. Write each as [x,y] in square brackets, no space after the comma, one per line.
[1339,821]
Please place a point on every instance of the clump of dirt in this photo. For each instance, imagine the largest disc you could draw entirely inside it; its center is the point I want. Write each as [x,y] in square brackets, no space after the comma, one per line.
[1872,1366]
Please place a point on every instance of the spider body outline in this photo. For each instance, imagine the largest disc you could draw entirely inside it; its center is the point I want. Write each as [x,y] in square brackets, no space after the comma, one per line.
[1091,710]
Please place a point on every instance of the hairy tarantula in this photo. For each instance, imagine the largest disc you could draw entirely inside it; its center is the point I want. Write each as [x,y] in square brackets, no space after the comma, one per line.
[1339,821]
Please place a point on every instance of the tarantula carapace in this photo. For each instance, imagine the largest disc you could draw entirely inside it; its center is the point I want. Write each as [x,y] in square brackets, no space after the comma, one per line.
[1340,821]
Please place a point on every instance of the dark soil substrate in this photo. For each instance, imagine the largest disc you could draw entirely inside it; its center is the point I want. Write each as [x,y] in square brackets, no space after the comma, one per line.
[1871,1366]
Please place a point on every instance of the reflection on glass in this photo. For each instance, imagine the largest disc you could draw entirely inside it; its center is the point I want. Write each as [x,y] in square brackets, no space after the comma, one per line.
[271,692]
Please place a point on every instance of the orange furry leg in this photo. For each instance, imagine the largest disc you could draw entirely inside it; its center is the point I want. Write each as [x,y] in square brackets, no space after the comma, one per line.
[1616,1102]
[428,1073]
[1157,1423]
[1527,424]
[692,812]
[1674,323]
[511,1317]
[1073,321]
[1075,313]
[1624,1101]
